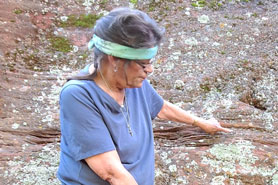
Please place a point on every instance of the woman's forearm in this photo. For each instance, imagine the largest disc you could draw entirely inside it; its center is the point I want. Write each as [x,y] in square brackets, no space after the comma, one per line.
[109,167]
[172,112]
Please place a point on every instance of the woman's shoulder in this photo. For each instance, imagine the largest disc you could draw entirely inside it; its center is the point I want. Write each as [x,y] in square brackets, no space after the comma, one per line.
[77,86]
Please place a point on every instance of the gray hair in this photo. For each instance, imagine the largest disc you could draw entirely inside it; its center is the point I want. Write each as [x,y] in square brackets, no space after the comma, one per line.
[128,27]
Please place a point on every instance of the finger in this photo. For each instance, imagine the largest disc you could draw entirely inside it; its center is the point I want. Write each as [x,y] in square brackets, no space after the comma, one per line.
[225,129]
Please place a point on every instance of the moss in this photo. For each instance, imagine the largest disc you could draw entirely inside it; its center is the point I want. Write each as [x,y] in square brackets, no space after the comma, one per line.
[239,18]
[60,44]
[151,8]
[222,52]
[11,66]
[19,51]
[103,2]
[31,57]
[215,5]
[84,21]
[85,55]
[254,15]
[205,87]
[200,3]
[133,1]
[18,11]
[163,4]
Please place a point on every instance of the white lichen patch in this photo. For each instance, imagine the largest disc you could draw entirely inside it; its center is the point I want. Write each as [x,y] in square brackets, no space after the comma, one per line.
[169,66]
[75,49]
[173,168]
[236,158]
[88,4]
[15,126]
[182,180]
[191,41]
[64,18]
[275,179]
[179,84]
[171,43]
[41,169]
[266,94]
[192,165]
[214,100]
[204,19]
[228,156]
[218,180]
[266,90]
[158,172]
[176,55]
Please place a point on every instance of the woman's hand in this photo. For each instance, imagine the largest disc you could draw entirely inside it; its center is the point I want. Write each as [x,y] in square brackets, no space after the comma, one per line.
[210,126]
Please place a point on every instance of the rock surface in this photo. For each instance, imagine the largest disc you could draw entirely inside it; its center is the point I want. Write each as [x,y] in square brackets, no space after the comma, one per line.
[218,59]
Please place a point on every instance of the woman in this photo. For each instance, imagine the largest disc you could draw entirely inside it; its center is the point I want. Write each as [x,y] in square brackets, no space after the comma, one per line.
[106,115]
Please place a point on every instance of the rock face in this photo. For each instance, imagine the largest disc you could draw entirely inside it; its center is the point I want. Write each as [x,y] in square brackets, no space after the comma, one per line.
[218,59]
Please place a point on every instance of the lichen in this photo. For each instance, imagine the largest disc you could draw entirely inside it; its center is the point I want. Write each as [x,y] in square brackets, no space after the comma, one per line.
[173,168]
[179,84]
[218,180]
[203,19]
[275,179]
[228,156]
[41,169]
[236,158]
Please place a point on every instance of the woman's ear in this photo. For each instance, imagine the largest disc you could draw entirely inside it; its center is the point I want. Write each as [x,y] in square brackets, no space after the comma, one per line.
[111,59]
[114,62]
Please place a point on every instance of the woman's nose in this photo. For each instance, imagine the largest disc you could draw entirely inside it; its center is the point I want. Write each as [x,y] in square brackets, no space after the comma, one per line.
[149,68]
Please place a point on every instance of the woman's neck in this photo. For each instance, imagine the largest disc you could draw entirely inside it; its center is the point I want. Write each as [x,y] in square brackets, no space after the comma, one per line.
[108,84]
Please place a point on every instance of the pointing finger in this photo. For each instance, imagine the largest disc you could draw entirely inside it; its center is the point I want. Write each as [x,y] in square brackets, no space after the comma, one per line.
[225,129]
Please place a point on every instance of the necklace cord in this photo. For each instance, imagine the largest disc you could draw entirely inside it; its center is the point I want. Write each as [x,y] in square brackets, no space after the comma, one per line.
[127,118]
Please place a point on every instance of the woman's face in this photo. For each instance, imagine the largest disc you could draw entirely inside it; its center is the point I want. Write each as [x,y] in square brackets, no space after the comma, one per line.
[134,72]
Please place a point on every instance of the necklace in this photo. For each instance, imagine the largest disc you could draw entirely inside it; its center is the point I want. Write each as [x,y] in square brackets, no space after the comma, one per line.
[127,118]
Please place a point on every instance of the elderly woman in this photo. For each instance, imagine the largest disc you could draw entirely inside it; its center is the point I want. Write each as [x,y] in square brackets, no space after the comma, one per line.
[106,116]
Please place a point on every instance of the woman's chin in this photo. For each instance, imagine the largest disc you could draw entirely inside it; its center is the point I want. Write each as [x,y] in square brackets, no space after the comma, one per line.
[136,84]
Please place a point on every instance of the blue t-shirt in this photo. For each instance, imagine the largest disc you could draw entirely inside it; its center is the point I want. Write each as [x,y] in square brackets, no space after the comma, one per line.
[92,123]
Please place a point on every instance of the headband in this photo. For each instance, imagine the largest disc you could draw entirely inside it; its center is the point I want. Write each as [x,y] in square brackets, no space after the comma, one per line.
[121,51]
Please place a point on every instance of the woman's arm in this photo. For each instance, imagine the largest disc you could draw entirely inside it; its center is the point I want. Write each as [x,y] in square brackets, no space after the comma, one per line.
[109,167]
[172,112]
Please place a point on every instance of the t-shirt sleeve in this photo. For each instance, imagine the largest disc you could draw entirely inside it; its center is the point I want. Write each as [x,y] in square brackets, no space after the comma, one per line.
[83,129]
[154,100]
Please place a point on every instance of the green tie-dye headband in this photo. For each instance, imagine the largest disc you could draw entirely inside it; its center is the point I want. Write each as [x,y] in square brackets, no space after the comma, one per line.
[121,51]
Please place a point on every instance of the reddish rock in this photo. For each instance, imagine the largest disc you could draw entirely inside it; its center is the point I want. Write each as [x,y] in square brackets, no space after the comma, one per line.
[231,74]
